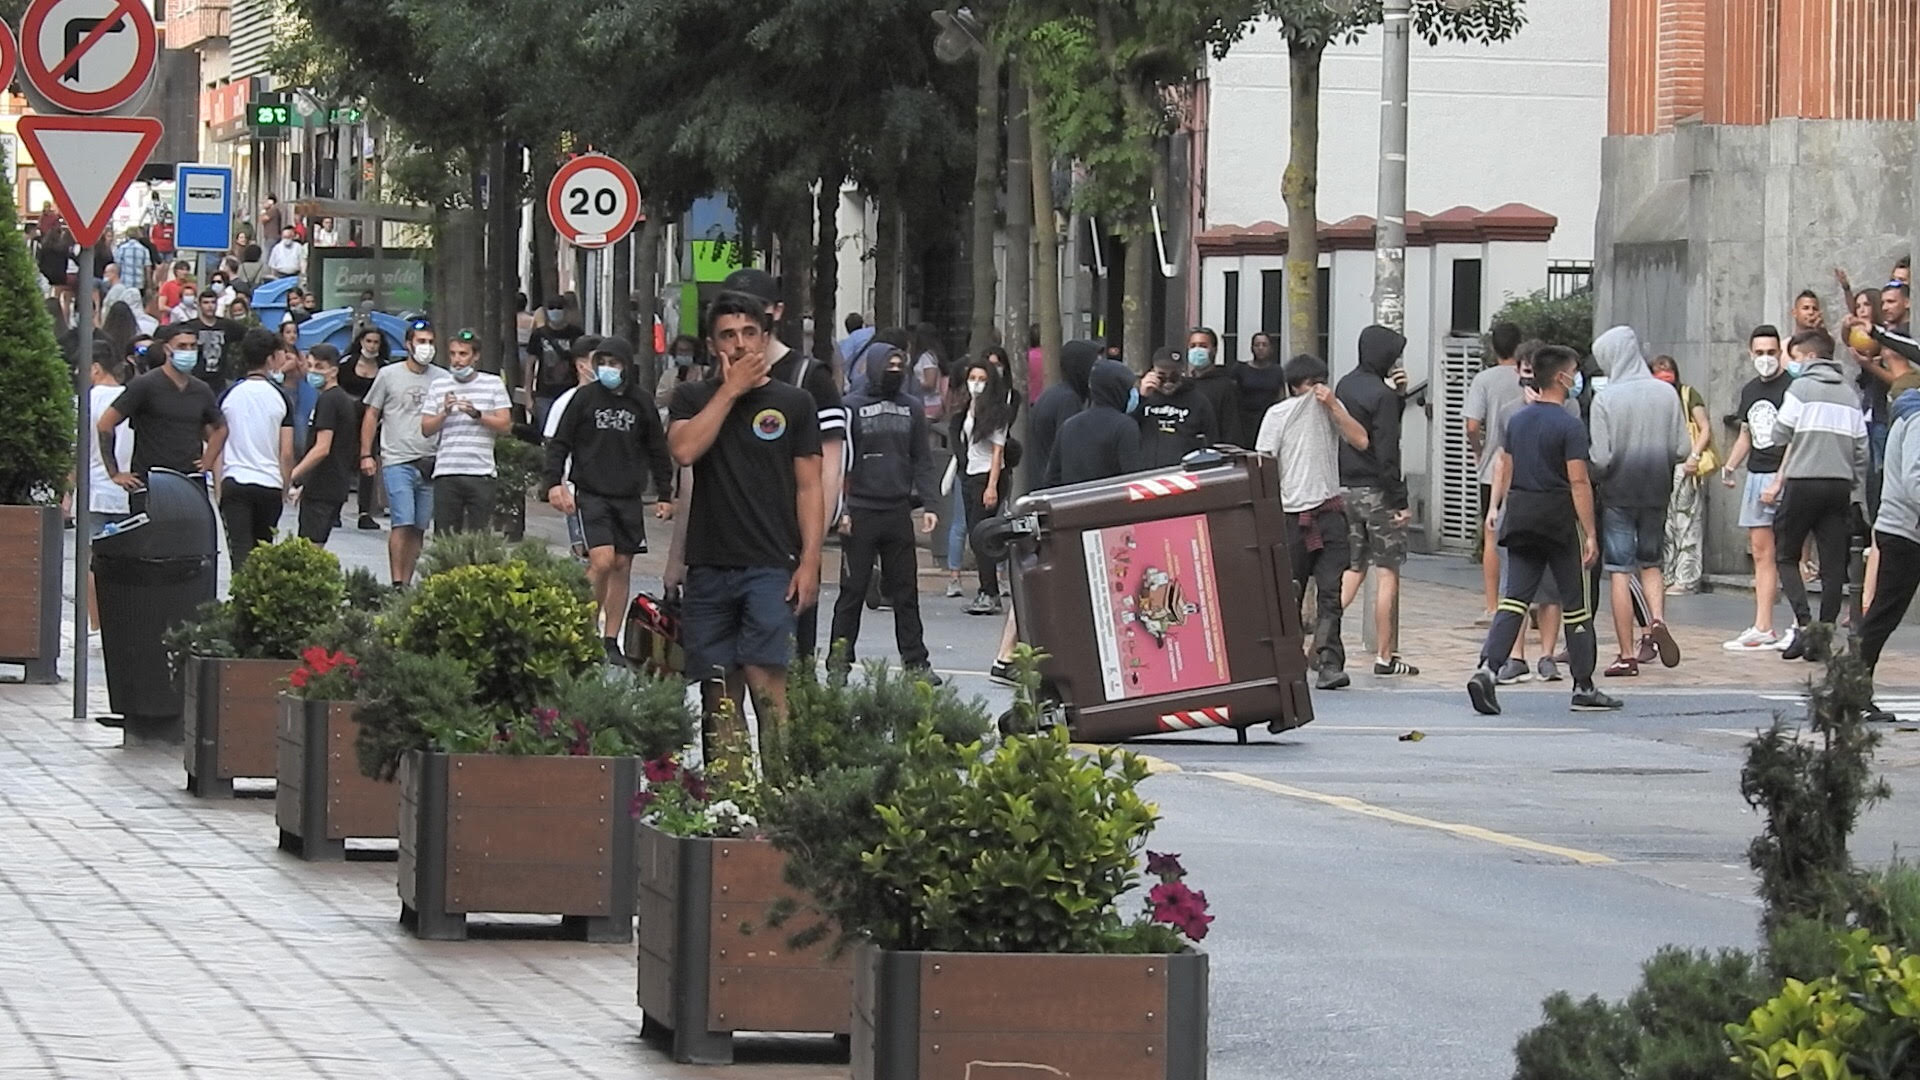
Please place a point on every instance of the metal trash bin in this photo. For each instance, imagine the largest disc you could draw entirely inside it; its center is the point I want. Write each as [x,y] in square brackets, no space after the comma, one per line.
[1163,600]
[151,573]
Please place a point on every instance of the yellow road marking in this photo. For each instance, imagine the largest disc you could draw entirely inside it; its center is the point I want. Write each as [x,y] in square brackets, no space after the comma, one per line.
[1471,832]
[1375,729]
[1154,764]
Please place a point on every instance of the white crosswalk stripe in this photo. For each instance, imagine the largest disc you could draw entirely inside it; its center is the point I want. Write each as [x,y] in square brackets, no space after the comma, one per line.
[1906,707]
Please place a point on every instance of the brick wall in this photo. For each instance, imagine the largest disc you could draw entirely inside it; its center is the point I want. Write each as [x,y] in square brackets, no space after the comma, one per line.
[1750,61]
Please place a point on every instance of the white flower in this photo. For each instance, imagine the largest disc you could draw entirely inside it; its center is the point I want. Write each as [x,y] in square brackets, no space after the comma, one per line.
[723,808]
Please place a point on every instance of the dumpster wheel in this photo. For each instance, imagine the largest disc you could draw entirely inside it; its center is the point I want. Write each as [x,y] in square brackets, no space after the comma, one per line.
[1052,715]
[993,536]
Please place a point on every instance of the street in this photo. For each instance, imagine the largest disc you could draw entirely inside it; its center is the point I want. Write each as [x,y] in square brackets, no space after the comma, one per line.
[1387,907]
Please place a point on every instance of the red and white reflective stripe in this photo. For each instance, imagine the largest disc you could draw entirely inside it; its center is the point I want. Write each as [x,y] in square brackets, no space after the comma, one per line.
[1158,486]
[1196,718]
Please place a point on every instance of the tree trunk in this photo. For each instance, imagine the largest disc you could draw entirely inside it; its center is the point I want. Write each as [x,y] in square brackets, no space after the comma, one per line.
[1046,252]
[986,186]
[826,264]
[1299,186]
[886,260]
[620,295]
[1019,311]
[794,241]
[1135,318]
[543,282]
[646,272]
[504,222]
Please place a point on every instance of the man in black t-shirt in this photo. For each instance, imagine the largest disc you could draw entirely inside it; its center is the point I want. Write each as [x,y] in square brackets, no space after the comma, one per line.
[1261,384]
[218,340]
[177,423]
[817,379]
[1760,402]
[550,370]
[322,477]
[754,525]
[1543,515]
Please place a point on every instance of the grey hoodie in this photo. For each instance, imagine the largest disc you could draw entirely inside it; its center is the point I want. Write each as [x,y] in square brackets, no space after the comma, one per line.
[1822,427]
[1637,431]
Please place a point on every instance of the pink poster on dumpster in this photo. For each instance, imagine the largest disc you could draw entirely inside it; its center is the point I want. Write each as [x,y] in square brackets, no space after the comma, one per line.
[1156,607]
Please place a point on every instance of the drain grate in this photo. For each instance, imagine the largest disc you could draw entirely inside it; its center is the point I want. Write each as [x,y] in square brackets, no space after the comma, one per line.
[1629,770]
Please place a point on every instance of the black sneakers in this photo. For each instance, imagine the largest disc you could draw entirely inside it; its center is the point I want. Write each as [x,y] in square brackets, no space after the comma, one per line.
[1394,666]
[1593,699]
[1333,679]
[1481,690]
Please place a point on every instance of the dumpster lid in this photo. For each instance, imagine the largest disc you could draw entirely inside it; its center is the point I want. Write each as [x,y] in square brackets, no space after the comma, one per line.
[179,522]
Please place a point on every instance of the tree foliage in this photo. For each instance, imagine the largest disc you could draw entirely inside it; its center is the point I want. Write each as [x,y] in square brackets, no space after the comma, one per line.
[36,392]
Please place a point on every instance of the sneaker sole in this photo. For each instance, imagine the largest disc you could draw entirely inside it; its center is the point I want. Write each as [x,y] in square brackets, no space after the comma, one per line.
[1663,642]
[1734,646]
[1528,677]
[1338,682]
[1598,708]
[1485,701]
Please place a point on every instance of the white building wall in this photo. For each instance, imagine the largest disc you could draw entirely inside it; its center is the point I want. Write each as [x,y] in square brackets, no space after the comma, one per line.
[1516,122]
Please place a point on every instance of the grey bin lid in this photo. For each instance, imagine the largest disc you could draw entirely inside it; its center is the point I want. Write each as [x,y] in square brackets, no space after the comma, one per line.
[180,522]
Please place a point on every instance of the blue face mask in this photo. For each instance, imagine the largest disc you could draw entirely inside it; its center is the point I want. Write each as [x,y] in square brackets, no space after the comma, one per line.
[609,376]
[1133,400]
[1579,385]
[184,360]
[682,360]
[464,374]
[278,377]
[316,380]
[1795,367]
[1200,357]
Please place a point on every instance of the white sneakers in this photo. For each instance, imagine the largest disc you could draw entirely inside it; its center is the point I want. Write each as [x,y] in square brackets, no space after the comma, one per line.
[1754,639]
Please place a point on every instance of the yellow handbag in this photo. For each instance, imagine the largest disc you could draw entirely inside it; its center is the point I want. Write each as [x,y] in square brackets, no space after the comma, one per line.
[1709,460]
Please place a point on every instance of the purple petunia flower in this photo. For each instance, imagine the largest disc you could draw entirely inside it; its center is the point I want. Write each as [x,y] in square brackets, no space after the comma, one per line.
[1165,866]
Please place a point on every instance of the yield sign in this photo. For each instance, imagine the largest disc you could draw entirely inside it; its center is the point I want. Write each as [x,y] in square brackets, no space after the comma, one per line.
[87,162]
[88,56]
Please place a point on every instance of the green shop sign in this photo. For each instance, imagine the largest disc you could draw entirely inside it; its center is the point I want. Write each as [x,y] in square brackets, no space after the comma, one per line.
[398,277]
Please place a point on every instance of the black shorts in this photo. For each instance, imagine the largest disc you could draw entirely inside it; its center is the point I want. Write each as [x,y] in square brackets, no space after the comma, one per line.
[620,524]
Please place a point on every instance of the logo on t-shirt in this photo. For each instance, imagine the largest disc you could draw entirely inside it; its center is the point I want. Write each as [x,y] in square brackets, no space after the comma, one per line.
[1760,418]
[769,424]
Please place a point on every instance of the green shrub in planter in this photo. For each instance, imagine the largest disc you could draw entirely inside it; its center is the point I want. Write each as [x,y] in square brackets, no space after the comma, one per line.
[517,629]
[36,390]
[1860,1023]
[399,691]
[279,602]
[455,550]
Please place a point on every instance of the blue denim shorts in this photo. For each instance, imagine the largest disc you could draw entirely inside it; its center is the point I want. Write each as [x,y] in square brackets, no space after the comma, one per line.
[1632,537]
[734,617]
[409,496]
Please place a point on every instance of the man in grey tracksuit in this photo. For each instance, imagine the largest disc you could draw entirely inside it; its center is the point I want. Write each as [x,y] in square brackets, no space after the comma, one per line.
[1822,477]
[1638,435]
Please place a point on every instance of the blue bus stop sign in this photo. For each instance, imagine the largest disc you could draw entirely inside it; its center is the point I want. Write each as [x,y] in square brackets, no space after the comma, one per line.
[203,207]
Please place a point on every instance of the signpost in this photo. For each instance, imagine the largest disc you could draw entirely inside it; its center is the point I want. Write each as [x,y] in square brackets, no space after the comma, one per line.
[203,207]
[593,203]
[86,56]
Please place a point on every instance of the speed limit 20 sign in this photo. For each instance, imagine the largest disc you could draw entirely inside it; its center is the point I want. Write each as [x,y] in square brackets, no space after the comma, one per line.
[593,201]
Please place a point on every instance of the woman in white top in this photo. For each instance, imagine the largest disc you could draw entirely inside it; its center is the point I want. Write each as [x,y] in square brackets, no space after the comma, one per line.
[983,434]
[106,500]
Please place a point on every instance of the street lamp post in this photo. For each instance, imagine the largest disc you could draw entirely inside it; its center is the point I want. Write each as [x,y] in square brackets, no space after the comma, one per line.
[1390,224]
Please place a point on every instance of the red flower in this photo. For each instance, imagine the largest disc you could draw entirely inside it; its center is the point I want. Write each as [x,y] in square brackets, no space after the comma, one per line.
[298,679]
[661,770]
[314,655]
[695,785]
[1165,866]
[1182,908]
[641,800]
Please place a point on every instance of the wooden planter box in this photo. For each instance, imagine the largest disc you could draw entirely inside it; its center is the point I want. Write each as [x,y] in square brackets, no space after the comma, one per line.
[702,977]
[936,1016]
[33,555]
[232,713]
[321,797]
[529,835]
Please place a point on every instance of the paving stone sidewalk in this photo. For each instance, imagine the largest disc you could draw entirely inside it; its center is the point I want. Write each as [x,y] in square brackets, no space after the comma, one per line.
[147,934]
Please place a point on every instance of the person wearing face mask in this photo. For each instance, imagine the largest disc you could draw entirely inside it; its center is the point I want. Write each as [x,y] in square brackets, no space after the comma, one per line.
[176,421]
[1638,433]
[393,413]
[357,373]
[1543,513]
[607,442]
[549,364]
[891,474]
[1377,511]
[1215,385]
[258,452]
[981,427]
[1101,441]
[324,475]
[1760,402]
[1175,417]
[1821,477]
[467,409]
[218,339]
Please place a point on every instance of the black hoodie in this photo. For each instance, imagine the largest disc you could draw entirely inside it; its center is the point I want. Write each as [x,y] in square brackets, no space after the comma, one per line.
[615,440]
[892,459]
[1059,402]
[1215,385]
[1102,441]
[1377,406]
[1174,424]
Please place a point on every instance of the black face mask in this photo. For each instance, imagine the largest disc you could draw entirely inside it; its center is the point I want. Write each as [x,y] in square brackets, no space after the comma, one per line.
[891,382]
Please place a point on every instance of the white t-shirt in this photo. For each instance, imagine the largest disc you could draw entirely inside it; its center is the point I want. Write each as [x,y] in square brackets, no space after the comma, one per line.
[103,495]
[1300,432]
[466,446]
[931,399]
[555,414]
[980,453]
[256,410]
[286,258]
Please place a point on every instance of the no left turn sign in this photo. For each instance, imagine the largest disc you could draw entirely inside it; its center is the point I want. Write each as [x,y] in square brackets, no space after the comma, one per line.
[88,56]
[593,201]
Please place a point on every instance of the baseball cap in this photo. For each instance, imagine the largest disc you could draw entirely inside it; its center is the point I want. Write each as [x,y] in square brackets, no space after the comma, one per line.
[1170,355]
[615,347]
[753,282]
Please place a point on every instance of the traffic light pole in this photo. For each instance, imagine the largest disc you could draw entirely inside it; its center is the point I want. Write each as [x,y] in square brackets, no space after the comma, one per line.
[83,452]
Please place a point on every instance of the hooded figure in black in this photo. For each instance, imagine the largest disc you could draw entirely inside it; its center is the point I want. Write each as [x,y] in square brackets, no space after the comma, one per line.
[1103,441]
[891,473]
[1377,405]
[1060,402]
[1175,418]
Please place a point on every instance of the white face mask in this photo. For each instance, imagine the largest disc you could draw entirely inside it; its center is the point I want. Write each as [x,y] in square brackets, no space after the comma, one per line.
[423,353]
[976,387]
[1767,366]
